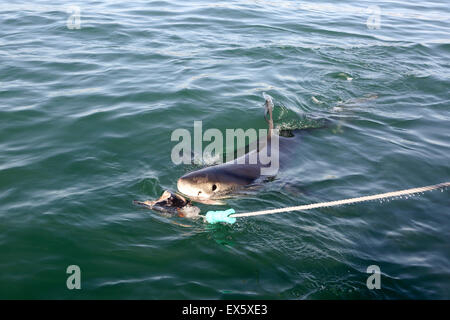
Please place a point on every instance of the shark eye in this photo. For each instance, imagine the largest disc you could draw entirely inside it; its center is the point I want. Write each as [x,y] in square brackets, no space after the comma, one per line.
[214,187]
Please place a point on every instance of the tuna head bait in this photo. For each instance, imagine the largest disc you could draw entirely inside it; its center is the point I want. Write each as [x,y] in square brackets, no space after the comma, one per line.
[173,204]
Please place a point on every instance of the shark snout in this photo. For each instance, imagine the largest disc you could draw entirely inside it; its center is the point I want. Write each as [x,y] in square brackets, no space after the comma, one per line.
[181,185]
[185,187]
[192,188]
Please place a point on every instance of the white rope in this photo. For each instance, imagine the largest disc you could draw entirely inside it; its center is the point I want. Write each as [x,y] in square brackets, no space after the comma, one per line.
[345,201]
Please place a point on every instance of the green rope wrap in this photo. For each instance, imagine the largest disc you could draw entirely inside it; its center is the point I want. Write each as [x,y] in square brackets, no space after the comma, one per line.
[220,216]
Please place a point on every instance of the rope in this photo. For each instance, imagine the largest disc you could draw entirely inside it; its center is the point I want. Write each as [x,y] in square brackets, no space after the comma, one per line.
[345,201]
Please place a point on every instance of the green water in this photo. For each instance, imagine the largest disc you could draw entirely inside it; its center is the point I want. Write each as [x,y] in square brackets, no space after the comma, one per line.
[85,122]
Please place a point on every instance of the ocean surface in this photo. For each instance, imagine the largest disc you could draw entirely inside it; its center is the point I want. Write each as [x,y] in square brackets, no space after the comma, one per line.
[91,91]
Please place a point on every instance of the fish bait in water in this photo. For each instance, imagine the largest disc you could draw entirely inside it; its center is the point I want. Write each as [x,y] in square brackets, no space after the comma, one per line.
[173,204]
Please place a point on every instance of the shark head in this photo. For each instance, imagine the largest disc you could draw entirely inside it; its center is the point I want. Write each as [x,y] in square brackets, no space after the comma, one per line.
[216,182]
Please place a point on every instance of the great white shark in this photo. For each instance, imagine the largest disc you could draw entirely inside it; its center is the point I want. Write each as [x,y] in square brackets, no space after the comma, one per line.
[210,184]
